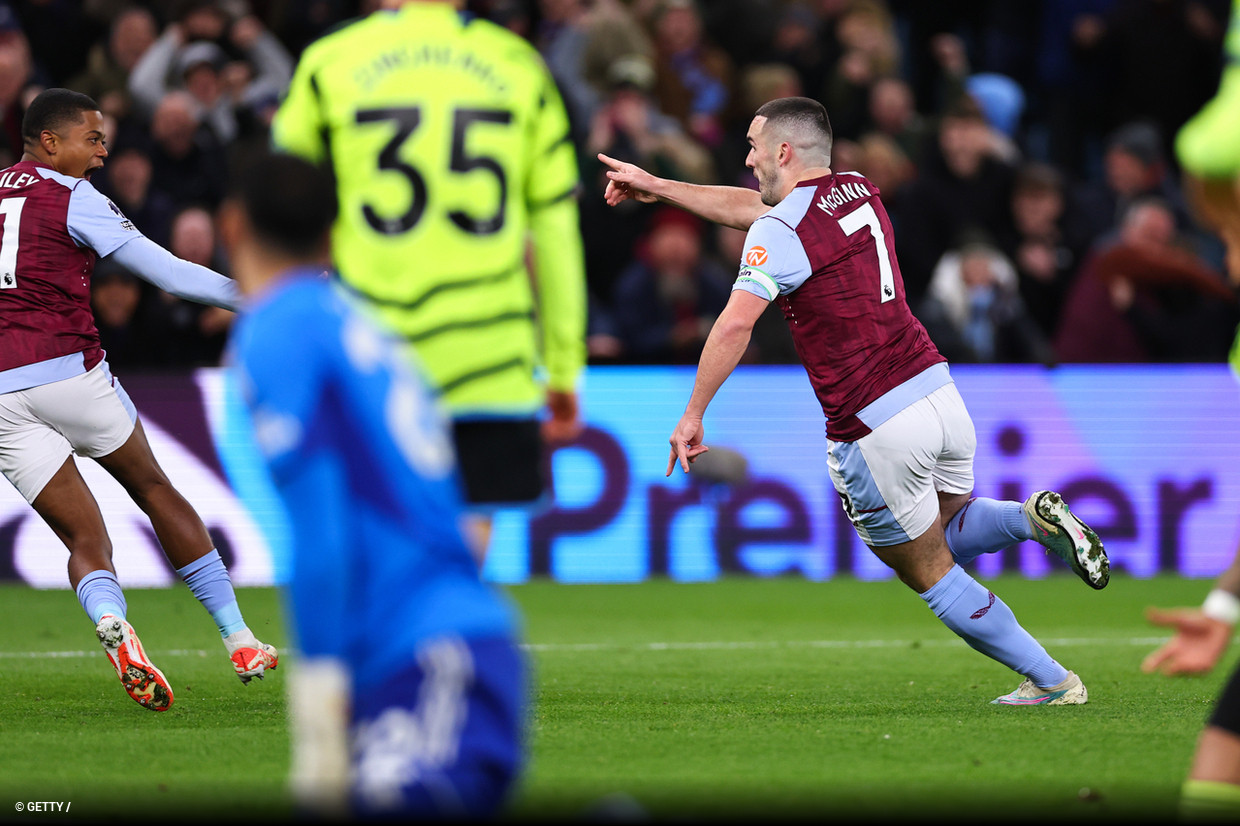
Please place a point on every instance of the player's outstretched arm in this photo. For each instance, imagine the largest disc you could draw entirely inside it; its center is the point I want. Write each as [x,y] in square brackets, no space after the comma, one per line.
[733,206]
[722,352]
[184,279]
[1201,634]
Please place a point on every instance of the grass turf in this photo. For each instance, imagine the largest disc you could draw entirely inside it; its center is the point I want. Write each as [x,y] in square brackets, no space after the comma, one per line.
[742,698]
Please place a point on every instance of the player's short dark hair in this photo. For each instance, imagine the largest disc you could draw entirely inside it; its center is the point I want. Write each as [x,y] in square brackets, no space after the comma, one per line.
[290,203]
[804,116]
[52,109]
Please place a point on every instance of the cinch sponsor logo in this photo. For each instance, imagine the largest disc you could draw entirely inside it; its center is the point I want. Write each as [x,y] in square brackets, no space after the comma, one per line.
[755,256]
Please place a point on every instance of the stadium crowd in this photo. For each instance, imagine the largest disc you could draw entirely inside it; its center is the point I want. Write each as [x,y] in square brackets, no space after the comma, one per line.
[1022,149]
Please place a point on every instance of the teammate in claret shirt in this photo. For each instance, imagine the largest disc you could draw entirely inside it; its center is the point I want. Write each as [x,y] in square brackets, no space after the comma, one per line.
[900,443]
[58,397]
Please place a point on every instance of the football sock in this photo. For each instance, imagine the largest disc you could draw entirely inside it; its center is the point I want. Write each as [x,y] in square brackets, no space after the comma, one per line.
[986,623]
[208,580]
[100,594]
[984,526]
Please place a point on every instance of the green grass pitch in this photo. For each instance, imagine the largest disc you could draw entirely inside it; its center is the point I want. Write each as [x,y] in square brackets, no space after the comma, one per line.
[764,698]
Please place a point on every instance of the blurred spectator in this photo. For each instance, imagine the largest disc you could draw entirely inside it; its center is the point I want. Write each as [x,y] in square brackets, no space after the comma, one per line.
[514,15]
[870,50]
[962,185]
[974,313]
[297,24]
[60,35]
[1069,85]
[116,300]
[581,40]
[1135,166]
[1043,242]
[845,155]
[228,82]
[1165,91]
[801,43]
[109,63]
[613,31]
[629,126]
[561,38]
[758,84]
[1144,298]
[881,159]
[744,29]
[16,71]
[763,82]
[126,179]
[603,344]
[666,300]
[186,158]
[947,42]
[661,82]
[1002,102]
[692,76]
[891,112]
[193,334]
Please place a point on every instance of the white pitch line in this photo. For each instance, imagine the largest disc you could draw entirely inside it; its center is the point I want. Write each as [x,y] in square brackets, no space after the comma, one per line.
[719,645]
[770,644]
[34,655]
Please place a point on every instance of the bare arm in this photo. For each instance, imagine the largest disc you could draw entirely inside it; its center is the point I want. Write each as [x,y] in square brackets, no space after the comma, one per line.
[722,352]
[733,206]
[1202,634]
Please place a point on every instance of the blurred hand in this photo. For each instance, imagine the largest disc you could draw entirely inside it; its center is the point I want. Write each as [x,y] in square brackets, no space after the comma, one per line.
[631,115]
[604,346]
[564,424]
[214,320]
[1198,644]
[1122,294]
[1037,259]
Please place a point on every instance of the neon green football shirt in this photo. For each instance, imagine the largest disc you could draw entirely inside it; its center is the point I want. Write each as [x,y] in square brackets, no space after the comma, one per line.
[451,150]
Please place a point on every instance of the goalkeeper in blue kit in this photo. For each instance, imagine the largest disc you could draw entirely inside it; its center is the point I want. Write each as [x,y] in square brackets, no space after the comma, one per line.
[408,697]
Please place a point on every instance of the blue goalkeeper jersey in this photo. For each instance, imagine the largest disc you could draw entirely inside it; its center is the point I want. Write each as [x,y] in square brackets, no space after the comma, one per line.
[360,457]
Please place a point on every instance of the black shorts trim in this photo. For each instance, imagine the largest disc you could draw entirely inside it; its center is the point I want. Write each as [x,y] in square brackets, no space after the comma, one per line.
[501,460]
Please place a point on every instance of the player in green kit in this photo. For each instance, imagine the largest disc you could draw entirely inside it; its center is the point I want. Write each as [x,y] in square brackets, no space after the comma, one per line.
[450,146]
